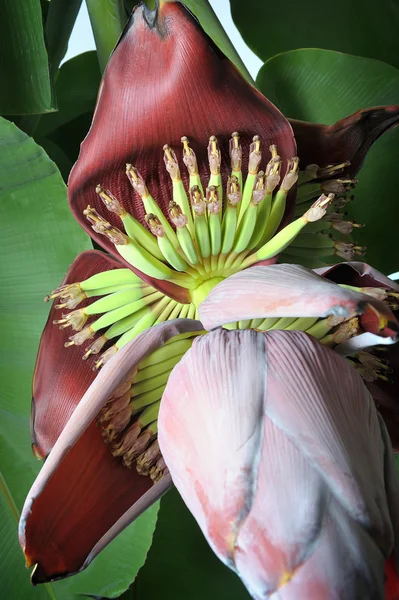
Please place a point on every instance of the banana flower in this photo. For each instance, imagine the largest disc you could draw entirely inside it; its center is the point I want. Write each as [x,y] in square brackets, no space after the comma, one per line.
[190,307]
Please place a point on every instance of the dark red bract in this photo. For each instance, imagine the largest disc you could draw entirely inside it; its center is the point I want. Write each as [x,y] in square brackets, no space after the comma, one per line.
[165,79]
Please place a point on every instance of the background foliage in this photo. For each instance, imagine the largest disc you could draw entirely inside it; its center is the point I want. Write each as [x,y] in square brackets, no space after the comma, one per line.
[321,64]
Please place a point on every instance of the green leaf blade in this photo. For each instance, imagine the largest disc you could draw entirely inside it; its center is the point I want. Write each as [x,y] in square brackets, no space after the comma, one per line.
[113,571]
[61,17]
[354,27]
[108,18]
[323,86]
[24,70]
[180,563]
[76,87]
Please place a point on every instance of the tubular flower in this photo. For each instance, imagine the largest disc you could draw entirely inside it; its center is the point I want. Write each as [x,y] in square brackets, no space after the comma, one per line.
[190,185]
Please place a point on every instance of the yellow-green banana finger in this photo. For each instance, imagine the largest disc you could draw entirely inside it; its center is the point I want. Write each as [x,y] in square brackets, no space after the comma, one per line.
[195,180]
[145,262]
[165,314]
[152,207]
[255,323]
[267,323]
[229,226]
[276,214]
[162,367]
[123,325]
[171,255]
[175,314]
[237,174]
[147,385]
[147,399]
[191,312]
[118,288]
[187,244]
[216,181]
[147,321]
[140,234]
[246,228]
[109,278]
[166,352]
[202,235]
[116,300]
[283,323]
[246,195]
[150,414]
[320,329]
[302,324]
[117,314]
[261,221]
[235,152]
[180,197]
[184,311]
[215,232]
[286,236]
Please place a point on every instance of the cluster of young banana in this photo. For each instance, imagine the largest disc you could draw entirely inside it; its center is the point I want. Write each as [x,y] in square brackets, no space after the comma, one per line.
[327,240]
[129,419]
[212,236]
[127,305]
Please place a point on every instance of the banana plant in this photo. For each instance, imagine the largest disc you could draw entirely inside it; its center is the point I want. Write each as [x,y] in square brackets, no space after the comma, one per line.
[235,376]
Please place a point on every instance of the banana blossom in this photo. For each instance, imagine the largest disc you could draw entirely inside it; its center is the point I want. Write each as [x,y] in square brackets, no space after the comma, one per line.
[265,424]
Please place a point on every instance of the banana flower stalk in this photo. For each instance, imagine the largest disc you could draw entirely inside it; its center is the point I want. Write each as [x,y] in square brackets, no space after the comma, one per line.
[188,179]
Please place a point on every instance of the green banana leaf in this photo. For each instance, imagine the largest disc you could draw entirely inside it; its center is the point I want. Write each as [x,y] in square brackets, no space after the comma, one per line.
[180,565]
[76,87]
[360,27]
[26,86]
[60,19]
[61,133]
[323,86]
[40,240]
[107,18]
[63,162]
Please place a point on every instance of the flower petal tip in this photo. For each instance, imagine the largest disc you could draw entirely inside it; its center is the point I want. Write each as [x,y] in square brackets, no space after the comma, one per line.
[29,562]
[38,576]
[37,453]
[348,139]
